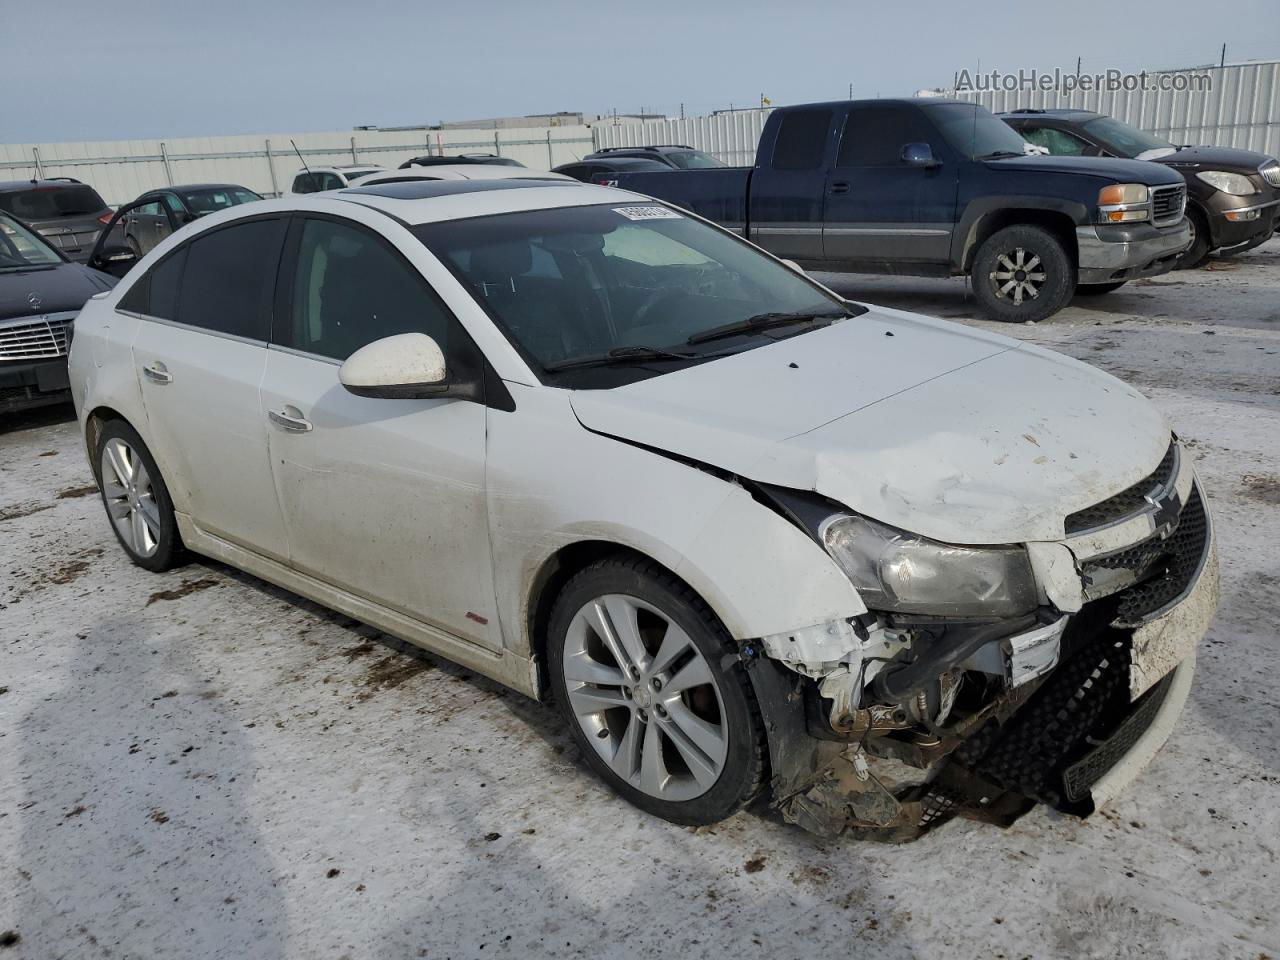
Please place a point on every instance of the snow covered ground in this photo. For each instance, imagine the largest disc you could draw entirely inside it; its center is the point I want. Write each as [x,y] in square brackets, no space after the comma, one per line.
[199,765]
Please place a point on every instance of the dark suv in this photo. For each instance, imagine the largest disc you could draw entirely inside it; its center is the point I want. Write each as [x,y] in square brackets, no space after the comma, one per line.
[674,155]
[66,212]
[1233,196]
[605,170]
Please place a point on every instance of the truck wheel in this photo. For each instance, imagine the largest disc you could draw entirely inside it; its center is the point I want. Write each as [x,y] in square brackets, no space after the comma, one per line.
[1198,252]
[649,683]
[1097,289]
[1022,273]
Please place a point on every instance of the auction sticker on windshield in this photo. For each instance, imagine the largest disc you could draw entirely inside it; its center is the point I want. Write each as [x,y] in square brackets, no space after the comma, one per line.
[647,213]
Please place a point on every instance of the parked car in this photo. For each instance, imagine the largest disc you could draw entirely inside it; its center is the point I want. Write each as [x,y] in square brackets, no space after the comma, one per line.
[938,187]
[1233,196]
[675,156]
[40,293]
[156,214]
[746,534]
[66,212]
[318,179]
[461,158]
[458,172]
[602,170]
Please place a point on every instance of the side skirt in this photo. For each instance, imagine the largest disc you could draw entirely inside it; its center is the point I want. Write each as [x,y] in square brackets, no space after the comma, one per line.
[509,669]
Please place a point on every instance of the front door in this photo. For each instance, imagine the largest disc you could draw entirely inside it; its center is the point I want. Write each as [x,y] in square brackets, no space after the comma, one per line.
[201,352]
[382,498]
[878,207]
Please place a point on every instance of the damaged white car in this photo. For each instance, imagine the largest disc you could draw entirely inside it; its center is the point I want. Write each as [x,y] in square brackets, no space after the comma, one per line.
[748,536]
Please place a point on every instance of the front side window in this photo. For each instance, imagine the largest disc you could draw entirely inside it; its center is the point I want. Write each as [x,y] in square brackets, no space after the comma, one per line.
[351,288]
[1059,143]
[229,279]
[20,249]
[875,136]
[574,283]
[802,140]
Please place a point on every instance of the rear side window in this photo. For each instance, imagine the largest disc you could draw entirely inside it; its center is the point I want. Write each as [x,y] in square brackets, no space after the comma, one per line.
[52,203]
[305,183]
[156,293]
[229,280]
[875,136]
[802,140]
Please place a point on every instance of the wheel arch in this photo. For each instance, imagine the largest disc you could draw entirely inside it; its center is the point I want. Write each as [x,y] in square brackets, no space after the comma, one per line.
[94,421]
[982,221]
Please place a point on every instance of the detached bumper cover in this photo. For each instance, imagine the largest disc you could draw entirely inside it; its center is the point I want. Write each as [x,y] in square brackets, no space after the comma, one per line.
[1131,253]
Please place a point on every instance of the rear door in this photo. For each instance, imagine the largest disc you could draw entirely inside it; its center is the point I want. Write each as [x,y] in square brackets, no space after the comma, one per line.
[879,208]
[786,198]
[201,355]
[382,498]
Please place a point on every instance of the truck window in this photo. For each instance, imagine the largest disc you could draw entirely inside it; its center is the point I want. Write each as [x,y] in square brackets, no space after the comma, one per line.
[802,140]
[875,136]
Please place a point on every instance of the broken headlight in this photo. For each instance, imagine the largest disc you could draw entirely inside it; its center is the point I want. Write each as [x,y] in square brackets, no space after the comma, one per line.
[899,571]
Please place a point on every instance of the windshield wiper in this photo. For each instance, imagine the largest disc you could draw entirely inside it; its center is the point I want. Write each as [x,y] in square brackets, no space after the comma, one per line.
[998,154]
[620,355]
[767,321]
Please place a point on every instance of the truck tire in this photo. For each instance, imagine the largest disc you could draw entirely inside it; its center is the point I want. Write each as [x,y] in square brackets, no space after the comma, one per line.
[1097,289]
[1198,252]
[1022,273]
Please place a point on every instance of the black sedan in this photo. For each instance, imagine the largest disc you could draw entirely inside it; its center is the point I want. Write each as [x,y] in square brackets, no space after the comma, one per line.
[157,213]
[1233,196]
[41,291]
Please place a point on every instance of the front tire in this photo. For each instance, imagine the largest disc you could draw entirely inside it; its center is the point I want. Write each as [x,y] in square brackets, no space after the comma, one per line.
[647,678]
[136,499]
[1022,273]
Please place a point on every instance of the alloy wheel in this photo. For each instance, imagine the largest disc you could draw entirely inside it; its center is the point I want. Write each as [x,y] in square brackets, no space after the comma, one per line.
[131,502]
[646,697]
[1016,276]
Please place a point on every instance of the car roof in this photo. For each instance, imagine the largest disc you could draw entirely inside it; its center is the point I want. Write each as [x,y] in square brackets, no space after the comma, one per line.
[178,188]
[458,172]
[47,183]
[1062,112]
[433,201]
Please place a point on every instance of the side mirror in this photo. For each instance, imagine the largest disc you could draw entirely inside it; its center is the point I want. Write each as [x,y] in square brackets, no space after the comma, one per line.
[919,155]
[116,260]
[406,366]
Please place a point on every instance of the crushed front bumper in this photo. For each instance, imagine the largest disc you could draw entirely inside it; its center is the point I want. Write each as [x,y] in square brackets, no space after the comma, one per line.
[1074,741]
[1112,253]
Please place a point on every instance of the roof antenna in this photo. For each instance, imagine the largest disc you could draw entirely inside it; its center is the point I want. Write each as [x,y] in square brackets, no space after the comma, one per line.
[299,153]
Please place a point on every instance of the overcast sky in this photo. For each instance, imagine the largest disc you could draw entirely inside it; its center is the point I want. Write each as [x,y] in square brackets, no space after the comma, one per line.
[116,69]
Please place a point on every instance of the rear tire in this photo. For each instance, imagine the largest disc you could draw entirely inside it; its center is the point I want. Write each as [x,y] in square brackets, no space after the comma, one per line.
[136,499]
[1198,252]
[1097,289]
[648,680]
[1022,273]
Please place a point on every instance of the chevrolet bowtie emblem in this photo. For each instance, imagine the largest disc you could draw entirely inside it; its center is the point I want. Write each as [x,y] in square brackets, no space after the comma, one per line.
[1165,513]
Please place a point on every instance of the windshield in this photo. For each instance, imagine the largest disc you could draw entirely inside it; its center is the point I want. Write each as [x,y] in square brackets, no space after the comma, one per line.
[974,131]
[693,159]
[577,282]
[52,202]
[202,202]
[21,249]
[1128,141]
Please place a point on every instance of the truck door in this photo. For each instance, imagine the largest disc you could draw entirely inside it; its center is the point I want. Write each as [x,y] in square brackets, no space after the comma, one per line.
[879,207]
[787,187]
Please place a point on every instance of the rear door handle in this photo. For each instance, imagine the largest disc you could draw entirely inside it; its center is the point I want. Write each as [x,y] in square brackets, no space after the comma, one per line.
[284,418]
[156,373]
[840,187]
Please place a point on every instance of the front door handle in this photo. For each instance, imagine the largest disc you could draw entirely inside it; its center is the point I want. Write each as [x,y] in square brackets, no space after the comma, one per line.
[840,186]
[290,419]
[156,373]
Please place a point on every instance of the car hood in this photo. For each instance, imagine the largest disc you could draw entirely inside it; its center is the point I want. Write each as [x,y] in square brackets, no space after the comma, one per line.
[1114,169]
[44,290]
[932,427]
[1215,158]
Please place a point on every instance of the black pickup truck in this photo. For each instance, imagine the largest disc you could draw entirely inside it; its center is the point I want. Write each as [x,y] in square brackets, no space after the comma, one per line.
[933,187]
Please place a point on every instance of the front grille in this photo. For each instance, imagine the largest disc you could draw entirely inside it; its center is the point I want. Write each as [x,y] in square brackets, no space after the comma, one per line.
[1271,173]
[1078,778]
[1127,501]
[1167,203]
[35,338]
[1180,560]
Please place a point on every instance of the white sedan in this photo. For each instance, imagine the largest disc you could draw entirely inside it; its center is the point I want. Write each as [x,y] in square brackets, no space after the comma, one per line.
[747,535]
[456,171]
